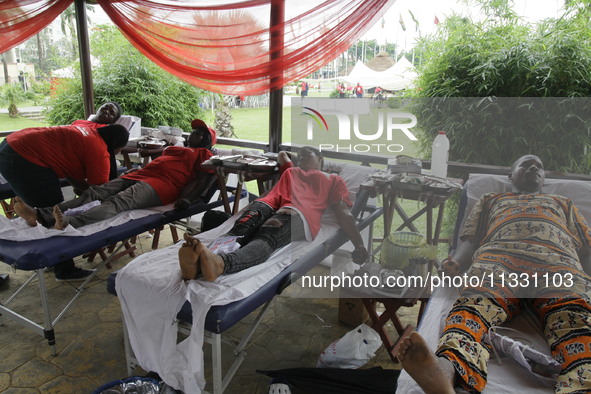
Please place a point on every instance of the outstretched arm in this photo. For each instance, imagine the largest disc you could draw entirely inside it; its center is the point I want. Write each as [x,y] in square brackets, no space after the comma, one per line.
[347,223]
[585,258]
[78,185]
[193,191]
[461,258]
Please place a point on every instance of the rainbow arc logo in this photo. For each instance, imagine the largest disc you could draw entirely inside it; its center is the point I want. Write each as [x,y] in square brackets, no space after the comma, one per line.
[316,116]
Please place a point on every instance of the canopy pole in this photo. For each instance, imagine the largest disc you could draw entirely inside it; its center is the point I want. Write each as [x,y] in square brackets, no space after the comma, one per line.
[276,96]
[84,52]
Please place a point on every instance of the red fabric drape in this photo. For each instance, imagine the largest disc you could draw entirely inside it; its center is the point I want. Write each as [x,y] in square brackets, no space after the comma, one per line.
[21,19]
[224,46]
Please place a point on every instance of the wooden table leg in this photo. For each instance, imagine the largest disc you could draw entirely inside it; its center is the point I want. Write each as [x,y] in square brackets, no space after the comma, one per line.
[378,323]
[237,194]
[438,224]
[8,208]
[429,224]
[223,192]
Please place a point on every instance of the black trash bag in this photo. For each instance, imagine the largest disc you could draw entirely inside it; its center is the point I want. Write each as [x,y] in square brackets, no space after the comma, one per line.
[212,219]
[337,381]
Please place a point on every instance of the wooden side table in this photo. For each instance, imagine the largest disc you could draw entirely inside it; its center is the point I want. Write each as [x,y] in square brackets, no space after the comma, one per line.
[391,195]
[265,180]
[433,201]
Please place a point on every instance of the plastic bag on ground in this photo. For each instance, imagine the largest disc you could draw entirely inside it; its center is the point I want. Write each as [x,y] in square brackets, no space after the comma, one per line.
[351,351]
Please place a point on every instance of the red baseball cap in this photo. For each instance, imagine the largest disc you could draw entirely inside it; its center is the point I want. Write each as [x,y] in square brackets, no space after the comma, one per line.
[199,123]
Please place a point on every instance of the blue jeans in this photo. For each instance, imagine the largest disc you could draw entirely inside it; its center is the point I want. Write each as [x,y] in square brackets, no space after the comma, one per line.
[263,231]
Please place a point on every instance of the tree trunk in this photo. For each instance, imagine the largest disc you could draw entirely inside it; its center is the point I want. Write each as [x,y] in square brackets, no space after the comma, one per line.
[40,52]
[5,69]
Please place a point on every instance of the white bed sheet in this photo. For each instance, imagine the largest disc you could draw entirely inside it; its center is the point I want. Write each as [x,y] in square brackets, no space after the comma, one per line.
[507,376]
[18,230]
[151,292]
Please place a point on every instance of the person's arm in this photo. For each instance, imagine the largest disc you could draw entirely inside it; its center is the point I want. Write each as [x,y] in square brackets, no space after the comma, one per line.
[78,185]
[461,259]
[193,191]
[585,258]
[347,223]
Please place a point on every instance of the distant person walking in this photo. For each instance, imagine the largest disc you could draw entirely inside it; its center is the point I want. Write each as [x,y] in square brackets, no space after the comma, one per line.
[359,90]
[342,91]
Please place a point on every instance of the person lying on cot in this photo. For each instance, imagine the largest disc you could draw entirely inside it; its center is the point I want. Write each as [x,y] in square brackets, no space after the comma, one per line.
[160,182]
[289,212]
[108,113]
[533,235]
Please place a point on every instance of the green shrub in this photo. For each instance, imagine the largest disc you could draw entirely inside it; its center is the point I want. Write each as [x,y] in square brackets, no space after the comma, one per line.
[501,57]
[11,95]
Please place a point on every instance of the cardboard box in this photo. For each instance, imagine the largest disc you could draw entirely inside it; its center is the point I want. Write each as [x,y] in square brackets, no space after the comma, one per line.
[352,312]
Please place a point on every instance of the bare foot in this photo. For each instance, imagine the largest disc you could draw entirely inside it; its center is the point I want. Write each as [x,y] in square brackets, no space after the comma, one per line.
[25,211]
[429,371]
[212,265]
[189,257]
[60,220]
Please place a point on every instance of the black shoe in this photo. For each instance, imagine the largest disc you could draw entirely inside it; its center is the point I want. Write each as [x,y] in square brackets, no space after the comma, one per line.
[73,274]
[4,278]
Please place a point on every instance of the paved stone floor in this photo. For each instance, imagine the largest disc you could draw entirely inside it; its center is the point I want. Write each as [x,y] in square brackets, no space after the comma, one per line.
[90,341]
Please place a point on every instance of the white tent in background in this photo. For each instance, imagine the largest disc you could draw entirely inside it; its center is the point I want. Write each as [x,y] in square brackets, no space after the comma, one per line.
[400,76]
[367,77]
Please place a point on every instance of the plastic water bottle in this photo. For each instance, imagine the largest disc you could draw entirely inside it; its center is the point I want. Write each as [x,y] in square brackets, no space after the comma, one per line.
[439,154]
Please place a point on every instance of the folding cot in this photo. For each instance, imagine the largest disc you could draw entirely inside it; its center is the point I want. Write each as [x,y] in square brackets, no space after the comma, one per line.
[205,310]
[506,376]
[42,253]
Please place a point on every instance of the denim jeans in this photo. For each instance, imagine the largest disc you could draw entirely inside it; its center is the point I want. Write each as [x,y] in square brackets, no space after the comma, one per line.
[263,231]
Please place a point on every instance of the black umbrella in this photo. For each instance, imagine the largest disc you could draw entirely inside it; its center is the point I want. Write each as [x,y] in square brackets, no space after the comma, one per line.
[337,381]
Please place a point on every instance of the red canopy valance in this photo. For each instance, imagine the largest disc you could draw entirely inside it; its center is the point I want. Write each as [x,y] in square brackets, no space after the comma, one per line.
[222,46]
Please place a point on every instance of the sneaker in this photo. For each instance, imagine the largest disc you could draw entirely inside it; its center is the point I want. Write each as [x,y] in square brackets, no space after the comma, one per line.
[73,275]
[279,388]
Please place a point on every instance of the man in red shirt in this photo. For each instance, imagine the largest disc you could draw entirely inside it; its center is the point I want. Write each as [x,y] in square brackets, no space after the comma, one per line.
[304,89]
[160,182]
[359,90]
[291,211]
[33,160]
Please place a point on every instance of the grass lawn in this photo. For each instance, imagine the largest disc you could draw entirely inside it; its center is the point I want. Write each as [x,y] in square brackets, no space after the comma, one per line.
[9,124]
[253,123]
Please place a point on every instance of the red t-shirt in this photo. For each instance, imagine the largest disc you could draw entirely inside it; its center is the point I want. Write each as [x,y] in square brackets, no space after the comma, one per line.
[70,151]
[171,172]
[88,123]
[310,192]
